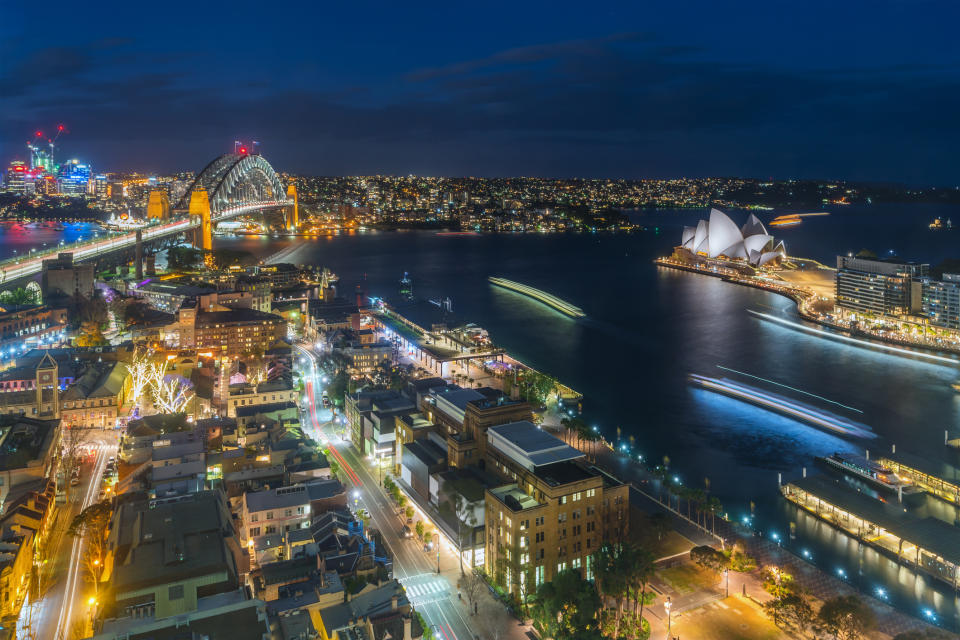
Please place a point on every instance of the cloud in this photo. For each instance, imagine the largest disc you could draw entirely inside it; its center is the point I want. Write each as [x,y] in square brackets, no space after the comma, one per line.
[623,105]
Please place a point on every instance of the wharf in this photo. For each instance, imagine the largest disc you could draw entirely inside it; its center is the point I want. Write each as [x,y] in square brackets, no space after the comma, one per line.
[928,544]
[939,479]
[437,349]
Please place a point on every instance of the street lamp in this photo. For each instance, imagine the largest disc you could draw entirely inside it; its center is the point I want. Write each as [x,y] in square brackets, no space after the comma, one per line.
[726,575]
[438,551]
[666,607]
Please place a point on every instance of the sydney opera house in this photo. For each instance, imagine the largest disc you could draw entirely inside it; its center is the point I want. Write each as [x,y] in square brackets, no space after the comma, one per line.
[721,238]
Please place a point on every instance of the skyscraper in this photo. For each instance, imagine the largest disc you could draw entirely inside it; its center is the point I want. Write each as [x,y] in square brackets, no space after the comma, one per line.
[74,178]
[14,180]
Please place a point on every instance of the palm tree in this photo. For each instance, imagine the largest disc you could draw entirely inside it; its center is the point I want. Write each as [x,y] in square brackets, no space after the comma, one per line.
[714,506]
[642,571]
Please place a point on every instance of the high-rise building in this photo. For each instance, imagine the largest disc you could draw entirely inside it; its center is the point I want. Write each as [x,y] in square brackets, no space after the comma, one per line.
[882,287]
[941,301]
[100,187]
[15,180]
[73,178]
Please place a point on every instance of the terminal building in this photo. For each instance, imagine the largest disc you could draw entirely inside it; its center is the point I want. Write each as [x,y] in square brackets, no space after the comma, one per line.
[881,287]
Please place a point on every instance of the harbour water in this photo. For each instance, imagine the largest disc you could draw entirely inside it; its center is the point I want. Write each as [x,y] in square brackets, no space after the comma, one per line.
[648,328]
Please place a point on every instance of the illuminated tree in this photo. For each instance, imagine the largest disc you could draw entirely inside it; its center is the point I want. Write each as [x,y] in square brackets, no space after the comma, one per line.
[171,393]
[139,370]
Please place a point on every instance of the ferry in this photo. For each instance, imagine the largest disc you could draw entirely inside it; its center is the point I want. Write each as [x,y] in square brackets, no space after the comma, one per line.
[870,471]
[785,221]
[956,386]
[939,225]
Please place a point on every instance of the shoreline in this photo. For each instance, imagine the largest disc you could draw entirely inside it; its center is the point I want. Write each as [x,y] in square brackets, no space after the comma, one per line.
[799,296]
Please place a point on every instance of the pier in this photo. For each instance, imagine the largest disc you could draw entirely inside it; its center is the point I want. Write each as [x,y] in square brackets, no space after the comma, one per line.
[927,544]
[937,478]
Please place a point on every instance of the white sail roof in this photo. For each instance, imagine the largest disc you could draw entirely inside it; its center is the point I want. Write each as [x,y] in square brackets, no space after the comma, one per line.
[724,233]
[722,237]
[753,227]
[700,237]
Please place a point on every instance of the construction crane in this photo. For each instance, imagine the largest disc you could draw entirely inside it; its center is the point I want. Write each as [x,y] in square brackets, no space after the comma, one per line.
[39,158]
[53,142]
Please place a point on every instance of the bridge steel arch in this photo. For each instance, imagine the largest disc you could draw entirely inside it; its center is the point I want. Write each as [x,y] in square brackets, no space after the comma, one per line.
[224,179]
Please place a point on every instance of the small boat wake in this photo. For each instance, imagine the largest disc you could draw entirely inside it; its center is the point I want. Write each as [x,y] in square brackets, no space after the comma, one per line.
[783,405]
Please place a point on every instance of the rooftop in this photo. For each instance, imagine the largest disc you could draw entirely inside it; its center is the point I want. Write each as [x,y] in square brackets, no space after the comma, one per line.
[530,446]
[513,497]
[160,541]
[298,494]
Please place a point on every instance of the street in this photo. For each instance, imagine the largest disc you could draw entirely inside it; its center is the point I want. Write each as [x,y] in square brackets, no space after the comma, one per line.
[433,595]
[52,615]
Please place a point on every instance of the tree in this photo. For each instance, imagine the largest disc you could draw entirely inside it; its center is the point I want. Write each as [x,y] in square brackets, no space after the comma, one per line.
[91,525]
[73,441]
[660,523]
[709,558]
[566,608]
[409,512]
[183,257]
[419,529]
[171,393]
[139,369]
[641,571]
[845,618]
[472,586]
[19,296]
[89,335]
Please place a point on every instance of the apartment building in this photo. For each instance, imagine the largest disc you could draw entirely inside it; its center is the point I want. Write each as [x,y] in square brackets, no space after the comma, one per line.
[881,287]
[552,511]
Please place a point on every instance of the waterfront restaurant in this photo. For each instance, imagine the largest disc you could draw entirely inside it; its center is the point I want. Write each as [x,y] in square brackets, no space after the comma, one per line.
[925,543]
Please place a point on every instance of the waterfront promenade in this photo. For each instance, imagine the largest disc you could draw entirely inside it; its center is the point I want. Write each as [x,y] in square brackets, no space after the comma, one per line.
[805,297]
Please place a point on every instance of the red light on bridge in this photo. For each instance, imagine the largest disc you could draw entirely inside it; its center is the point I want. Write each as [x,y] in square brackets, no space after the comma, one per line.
[60,128]
[39,133]
[243,149]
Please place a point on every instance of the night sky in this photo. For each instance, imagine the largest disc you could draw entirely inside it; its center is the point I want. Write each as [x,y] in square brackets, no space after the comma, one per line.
[867,91]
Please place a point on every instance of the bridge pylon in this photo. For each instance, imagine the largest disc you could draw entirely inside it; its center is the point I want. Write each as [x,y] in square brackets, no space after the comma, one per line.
[200,208]
[158,207]
[293,221]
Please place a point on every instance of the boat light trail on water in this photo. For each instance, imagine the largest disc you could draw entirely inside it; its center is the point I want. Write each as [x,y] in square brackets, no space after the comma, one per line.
[786,386]
[865,343]
[552,301]
[783,405]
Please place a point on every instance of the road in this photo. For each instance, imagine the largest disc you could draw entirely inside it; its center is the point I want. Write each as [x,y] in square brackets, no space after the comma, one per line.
[433,595]
[16,268]
[52,614]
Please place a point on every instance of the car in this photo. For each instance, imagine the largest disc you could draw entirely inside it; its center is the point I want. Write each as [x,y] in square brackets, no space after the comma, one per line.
[406,532]
[74,481]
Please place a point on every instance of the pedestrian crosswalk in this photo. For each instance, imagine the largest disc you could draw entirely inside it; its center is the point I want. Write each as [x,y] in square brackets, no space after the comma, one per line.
[426,588]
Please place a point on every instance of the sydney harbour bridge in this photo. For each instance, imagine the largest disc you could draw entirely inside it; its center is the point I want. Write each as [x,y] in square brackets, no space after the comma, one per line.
[232,184]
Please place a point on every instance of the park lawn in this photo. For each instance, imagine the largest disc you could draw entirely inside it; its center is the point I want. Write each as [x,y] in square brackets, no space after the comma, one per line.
[739,621]
[687,578]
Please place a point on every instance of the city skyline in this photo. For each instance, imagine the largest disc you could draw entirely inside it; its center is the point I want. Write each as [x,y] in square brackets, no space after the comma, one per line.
[832,93]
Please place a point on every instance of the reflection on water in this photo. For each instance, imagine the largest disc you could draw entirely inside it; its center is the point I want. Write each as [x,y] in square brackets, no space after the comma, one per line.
[649,328]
